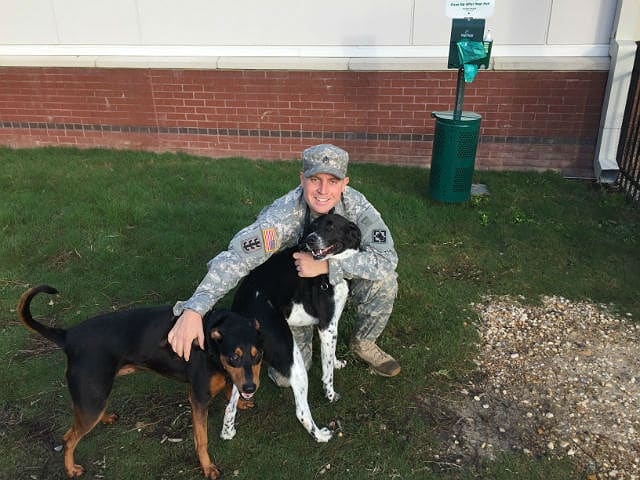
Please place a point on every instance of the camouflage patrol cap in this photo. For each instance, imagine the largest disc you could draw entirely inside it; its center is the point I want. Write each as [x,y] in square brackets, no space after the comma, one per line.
[325,158]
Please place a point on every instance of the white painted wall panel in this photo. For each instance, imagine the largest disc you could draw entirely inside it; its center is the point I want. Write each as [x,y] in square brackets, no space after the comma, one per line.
[366,23]
[112,22]
[431,24]
[521,22]
[27,21]
[285,22]
[581,21]
[159,32]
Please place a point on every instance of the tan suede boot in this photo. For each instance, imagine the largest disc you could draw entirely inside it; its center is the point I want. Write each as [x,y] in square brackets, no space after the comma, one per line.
[380,362]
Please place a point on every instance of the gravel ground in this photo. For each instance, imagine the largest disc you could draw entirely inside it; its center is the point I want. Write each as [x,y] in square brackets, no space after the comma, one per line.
[559,379]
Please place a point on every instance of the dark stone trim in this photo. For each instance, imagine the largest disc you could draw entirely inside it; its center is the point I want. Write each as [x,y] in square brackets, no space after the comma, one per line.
[402,137]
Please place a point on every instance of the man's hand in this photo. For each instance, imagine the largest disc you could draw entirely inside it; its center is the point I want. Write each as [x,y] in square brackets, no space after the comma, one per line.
[188,328]
[308,267]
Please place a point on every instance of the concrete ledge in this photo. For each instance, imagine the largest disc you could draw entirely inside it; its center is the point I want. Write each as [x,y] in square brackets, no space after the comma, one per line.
[203,63]
[304,57]
[283,63]
[47,61]
[550,63]
[398,64]
[298,63]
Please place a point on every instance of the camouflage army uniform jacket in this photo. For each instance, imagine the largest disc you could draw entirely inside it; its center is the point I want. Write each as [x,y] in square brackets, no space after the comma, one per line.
[279,226]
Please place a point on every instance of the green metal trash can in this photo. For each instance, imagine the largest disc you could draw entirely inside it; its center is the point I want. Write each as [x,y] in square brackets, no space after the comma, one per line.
[454,154]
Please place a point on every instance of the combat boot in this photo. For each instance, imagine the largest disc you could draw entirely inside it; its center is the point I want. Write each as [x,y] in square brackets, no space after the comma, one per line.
[381,363]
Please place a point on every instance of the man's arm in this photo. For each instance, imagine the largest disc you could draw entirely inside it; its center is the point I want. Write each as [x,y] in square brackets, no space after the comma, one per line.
[224,272]
[276,227]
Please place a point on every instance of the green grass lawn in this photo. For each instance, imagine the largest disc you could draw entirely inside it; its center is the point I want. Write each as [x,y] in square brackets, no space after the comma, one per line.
[115,229]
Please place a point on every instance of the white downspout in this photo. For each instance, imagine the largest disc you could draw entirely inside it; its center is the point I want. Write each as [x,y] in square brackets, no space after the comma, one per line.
[622,49]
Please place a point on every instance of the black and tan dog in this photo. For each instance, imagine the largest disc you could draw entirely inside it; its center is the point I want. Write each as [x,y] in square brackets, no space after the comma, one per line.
[105,346]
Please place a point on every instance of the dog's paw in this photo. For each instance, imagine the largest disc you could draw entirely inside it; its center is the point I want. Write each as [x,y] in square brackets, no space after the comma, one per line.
[75,471]
[338,364]
[228,433]
[109,418]
[333,397]
[211,472]
[323,435]
[244,404]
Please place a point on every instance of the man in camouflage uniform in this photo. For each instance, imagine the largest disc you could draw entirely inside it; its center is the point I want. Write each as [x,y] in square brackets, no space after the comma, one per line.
[373,280]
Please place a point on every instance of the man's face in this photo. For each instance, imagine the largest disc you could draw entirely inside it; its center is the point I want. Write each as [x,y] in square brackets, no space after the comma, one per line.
[322,191]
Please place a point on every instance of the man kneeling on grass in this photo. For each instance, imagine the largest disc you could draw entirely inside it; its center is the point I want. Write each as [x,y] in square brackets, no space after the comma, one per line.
[371,272]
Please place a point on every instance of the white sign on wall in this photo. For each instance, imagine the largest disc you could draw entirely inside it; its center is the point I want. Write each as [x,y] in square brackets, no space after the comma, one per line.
[470,8]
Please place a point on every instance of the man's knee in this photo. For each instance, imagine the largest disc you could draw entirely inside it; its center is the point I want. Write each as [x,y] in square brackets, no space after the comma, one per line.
[303,336]
[384,290]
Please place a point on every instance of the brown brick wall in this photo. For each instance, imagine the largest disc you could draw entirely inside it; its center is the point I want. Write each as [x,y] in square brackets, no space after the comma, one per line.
[531,120]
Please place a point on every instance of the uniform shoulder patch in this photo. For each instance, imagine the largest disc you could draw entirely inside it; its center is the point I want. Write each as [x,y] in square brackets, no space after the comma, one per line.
[379,236]
[252,244]
[270,239]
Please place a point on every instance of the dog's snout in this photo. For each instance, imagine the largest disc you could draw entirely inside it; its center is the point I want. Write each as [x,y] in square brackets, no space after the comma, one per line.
[313,241]
[313,237]
[249,387]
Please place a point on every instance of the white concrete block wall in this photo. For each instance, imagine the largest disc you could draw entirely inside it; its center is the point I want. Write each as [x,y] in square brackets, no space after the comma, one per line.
[295,32]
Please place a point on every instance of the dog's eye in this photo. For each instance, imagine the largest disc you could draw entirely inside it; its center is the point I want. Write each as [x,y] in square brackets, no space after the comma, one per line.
[257,358]
[234,360]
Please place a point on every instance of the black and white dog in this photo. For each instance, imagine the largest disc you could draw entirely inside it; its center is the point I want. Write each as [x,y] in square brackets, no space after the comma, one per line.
[274,294]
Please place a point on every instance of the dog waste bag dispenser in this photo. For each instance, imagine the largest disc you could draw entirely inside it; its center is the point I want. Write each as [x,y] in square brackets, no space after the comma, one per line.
[457,132]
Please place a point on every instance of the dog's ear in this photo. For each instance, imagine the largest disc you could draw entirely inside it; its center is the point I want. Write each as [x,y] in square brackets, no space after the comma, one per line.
[216,335]
[213,323]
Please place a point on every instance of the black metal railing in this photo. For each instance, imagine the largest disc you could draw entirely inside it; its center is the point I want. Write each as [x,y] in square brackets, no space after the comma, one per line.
[628,156]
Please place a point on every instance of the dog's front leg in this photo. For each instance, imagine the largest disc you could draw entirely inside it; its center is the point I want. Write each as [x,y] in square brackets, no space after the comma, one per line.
[300,386]
[199,413]
[328,341]
[228,424]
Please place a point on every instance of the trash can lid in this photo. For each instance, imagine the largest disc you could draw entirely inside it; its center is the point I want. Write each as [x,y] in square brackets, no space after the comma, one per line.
[464,116]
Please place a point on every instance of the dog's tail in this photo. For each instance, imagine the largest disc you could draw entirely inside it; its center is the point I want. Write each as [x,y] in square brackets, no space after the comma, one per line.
[56,335]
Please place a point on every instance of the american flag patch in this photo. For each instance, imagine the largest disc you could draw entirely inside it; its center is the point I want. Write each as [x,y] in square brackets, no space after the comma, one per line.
[270,240]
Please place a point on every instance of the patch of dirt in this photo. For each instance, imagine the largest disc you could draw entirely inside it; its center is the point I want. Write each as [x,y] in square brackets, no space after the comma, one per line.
[463,268]
[10,416]
[62,258]
[36,347]
[561,379]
